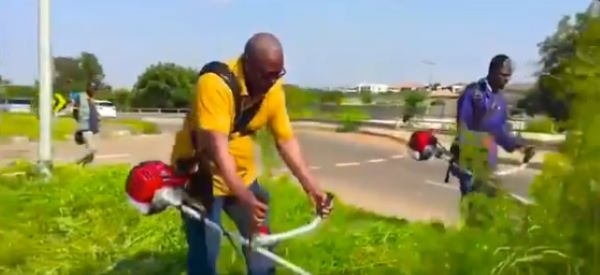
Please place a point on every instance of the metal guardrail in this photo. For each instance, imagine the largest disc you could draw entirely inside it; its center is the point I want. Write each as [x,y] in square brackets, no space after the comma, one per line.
[433,115]
[515,123]
[155,110]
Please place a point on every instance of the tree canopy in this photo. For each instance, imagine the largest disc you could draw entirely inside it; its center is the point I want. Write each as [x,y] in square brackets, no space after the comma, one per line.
[549,96]
[73,73]
[164,85]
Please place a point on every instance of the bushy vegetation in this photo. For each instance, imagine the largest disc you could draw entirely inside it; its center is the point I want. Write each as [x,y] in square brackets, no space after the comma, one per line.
[366,97]
[304,104]
[27,125]
[137,126]
[413,104]
[542,125]
[350,118]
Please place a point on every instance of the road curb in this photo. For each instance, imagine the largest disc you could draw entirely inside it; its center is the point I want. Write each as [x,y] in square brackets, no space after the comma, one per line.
[13,140]
[331,126]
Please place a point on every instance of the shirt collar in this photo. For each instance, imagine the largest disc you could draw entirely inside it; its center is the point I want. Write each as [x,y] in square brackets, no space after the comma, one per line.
[488,87]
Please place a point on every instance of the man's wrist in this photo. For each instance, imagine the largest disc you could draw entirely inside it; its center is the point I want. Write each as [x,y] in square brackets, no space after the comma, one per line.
[309,187]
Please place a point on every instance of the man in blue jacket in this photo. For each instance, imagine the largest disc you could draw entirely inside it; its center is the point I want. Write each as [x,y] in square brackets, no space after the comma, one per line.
[482,115]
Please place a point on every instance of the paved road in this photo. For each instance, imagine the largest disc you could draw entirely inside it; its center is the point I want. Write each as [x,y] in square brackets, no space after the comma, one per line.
[369,172]
[374,173]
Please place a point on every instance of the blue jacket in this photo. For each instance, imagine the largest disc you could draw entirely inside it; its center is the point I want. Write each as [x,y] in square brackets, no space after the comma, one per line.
[480,110]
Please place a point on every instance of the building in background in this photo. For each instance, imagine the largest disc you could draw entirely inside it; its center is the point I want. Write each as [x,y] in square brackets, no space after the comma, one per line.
[407,86]
[372,87]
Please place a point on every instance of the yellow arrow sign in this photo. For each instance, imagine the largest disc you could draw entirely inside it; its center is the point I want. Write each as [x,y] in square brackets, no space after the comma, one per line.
[59,103]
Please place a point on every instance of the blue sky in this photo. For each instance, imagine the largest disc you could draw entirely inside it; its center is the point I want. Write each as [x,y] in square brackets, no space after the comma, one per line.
[326,42]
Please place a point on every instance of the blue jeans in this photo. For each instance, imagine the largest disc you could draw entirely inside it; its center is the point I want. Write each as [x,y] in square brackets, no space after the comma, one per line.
[204,242]
[465,181]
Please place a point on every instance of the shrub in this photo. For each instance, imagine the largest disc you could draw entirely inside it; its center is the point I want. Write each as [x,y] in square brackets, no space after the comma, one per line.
[543,125]
[412,104]
[350,118]
[334,97]
[366,97]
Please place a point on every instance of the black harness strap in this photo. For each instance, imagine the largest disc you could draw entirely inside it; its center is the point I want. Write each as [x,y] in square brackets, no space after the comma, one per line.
[241,117]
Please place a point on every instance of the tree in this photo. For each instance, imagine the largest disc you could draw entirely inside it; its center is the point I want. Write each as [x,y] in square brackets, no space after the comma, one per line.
[412,102]
[4,81]
[90,66]
[298,99]
[73,73]
[20,91]
[549,96]
[164,85]
[366,97]
[568,187]
[120,97]
[334,97]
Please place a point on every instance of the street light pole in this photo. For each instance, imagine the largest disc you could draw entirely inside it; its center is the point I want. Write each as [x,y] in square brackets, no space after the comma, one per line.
[430,64]
[45,92]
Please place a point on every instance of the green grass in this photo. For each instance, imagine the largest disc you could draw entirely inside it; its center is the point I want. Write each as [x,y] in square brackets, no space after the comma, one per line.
[28,125]
[542,125]
[349,119]
[63,127]
[80,223]
[136,126]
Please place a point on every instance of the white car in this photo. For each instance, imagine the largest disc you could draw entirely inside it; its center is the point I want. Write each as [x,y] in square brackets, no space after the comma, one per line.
[106,108]
[16,105]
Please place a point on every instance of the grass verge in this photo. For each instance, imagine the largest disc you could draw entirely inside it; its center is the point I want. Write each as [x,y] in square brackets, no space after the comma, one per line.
[80,223]
[541,125]
[136,126]
[27,125]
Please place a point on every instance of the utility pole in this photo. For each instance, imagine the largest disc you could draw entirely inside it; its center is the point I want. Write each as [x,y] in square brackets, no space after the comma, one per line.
[45,92]
[430,64]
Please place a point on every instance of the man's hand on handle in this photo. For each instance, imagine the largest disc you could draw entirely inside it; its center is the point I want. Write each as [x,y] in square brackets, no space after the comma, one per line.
[257,209]
[322,201]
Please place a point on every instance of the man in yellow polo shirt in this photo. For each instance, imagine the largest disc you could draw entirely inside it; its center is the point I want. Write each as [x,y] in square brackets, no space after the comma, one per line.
[223,157]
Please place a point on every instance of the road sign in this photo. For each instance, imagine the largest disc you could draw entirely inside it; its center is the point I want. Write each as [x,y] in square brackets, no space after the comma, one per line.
[59,103]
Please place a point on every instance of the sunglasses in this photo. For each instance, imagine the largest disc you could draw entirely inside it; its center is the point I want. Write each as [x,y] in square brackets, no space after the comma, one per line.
[263,74]
[273,75]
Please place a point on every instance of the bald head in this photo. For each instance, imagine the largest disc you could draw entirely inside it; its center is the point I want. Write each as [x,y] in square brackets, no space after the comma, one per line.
[263,62]
[264,47]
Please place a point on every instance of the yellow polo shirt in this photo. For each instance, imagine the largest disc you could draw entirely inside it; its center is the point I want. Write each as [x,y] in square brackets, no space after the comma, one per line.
[212,109]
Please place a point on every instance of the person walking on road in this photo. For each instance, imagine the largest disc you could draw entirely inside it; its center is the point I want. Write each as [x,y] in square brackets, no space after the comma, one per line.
[482,112]
[88,120]
[232,101]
